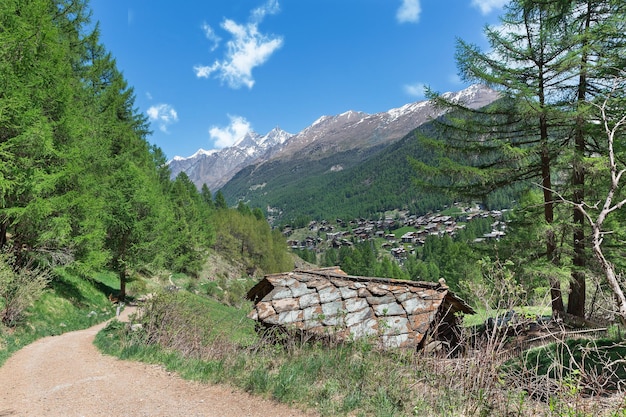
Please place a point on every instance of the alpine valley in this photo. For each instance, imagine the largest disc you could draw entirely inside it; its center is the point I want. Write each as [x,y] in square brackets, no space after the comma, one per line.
[349,165]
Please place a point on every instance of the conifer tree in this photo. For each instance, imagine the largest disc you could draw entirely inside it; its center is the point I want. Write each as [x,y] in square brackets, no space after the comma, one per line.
[546,58]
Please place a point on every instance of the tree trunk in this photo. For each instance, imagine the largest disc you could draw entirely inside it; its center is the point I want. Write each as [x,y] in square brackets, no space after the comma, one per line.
[3,233]
[578,290]
[122,274]
[576,303]
[548,211]
[611,277]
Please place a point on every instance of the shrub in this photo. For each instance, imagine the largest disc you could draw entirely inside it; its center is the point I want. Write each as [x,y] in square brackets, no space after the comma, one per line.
[20,287]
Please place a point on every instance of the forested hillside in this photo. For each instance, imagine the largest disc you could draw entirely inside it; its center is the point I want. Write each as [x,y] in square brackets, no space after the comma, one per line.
[81,188]
[374,181]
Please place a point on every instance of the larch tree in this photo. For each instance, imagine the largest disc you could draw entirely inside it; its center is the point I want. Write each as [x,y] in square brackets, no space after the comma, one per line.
[544,59]
[512,140]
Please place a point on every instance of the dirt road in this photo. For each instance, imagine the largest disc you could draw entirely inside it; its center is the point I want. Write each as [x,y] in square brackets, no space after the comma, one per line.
[67,376]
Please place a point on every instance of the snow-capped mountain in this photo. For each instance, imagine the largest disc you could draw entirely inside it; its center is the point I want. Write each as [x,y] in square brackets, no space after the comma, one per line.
[326,136]
[352,129]
[214,168]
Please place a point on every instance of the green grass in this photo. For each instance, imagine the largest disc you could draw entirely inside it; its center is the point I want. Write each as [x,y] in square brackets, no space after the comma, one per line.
[482,314]
[401,231]
[70,303]
[216,343]
[451,211]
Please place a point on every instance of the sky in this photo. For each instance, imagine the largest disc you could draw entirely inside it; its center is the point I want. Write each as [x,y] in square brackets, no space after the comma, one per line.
[206,72]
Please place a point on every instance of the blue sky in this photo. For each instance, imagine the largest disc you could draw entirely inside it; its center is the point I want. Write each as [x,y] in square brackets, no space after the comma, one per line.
[205,72]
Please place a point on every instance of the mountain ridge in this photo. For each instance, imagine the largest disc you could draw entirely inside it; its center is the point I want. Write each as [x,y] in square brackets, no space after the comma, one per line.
[350,132]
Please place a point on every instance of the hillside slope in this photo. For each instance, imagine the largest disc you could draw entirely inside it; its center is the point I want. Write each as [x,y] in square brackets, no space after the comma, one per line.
[370,182]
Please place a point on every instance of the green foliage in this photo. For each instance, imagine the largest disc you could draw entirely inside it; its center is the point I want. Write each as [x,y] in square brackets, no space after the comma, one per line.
[575,367]
[193,231]
[220,201]
[20,287]
[307,255]
[243,238]
[80,186]
[184,322]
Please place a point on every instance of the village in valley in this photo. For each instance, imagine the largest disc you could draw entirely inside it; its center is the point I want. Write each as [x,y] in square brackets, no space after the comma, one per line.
[400,233]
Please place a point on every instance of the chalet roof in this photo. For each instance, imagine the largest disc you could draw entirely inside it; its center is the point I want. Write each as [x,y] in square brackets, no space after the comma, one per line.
[328,301]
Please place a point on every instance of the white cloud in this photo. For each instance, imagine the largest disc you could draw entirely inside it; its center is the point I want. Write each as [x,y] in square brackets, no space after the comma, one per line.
[415,90]
[409,11]
[486,6]
[163,115]
[211,36]
[247,49]
[269,8]
[227,136]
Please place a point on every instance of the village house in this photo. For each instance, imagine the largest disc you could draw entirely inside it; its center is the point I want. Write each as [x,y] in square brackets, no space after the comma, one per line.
[329,303]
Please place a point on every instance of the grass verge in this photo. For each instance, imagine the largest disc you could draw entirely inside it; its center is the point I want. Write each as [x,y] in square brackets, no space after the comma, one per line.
[204,340]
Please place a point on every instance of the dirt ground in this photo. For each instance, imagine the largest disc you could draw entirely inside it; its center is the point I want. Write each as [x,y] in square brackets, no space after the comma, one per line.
[67,376]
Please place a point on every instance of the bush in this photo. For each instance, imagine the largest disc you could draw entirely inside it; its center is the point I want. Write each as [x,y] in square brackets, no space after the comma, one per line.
[20,287]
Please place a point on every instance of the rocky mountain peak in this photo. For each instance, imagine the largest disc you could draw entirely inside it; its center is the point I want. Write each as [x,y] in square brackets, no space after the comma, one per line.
[328,135]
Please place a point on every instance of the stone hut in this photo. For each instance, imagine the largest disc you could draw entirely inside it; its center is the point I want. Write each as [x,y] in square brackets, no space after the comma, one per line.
[329,303]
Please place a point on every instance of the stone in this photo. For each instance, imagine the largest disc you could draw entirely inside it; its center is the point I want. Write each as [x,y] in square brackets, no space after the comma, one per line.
[381,300]
[358,316]
[298,289]
[312,313]
[378,289]
[304,278]
[414,305]
[402,297]
[286,304]
[329,294]
[332,309]
[288,317]
[366,328]
[347,293]
[283,281]
[421,322]
[364,293]
[354,304]
[340,282]
[318,284]
[394,325]
[277,293]
[395,341]
[396,289]
[333,321]
[389,309]
[308,300]
[273,319]
[265,309]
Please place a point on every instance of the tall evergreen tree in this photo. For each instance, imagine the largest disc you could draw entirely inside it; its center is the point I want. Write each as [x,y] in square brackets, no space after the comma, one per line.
[540,62]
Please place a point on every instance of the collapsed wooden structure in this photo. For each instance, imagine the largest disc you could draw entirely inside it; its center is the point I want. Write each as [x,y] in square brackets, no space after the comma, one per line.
[329,303]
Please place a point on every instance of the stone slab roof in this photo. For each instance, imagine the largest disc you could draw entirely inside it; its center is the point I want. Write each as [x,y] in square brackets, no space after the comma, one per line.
[328,302]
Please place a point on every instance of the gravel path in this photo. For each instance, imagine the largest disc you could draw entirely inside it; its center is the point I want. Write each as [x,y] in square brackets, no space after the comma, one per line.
[67,376]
